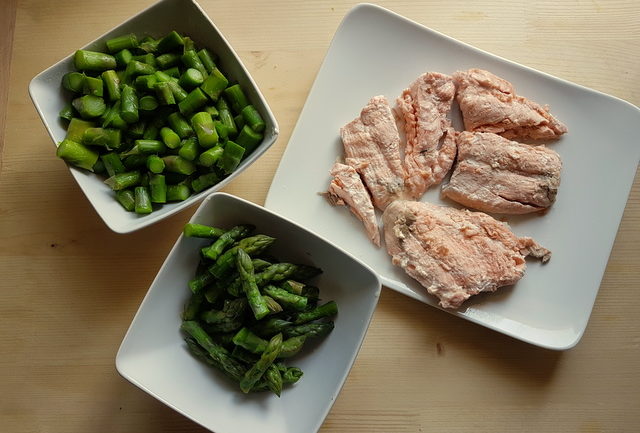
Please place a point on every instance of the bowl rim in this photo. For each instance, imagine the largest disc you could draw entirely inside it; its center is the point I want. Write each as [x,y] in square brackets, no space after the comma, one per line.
[157,216]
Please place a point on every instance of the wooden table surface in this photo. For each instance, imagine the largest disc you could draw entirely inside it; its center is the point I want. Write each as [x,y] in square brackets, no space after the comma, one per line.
[70,286]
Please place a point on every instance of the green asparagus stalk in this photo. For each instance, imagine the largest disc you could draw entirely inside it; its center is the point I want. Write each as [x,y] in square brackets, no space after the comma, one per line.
[76,128]
[236,97]
[124,180]
[249,139]
[158,188]
[93,61]
[270,327]
[126,198]
[112,118]
[191,78]
[148,103]
[194,100]
[179,94]
[193,306]
[150,147]
[200,281]
[252,118]
[170,138]
[178,192]
[189,149]
[279,272]
[286,299]
[245,268]
[170,42]
[213,111]
[253,375]
[310,330]
[167,60]
[193,230]
[202,124]
[204,181]
[142,200]
[173,72]
[272,304]
[73,81]
[224,113]
[292,286]
[76,154]
[113,163]
[177,164]
[103,137]
[123,57]
[251,245]
[231,157]
[207,60]
[134,162]
[122,42]
[217,353]
[210,156]
[239,120]
[135,68]
[93,86]
[216,249]
[191,60]
[148,59]
[214,84]
[249,341]
[274,379]
[291,375]
[326,310]
[129,104]
[112,83]
[155,164]
[164,93]
[312,294]
[67,112]
[179,125]
[89,106]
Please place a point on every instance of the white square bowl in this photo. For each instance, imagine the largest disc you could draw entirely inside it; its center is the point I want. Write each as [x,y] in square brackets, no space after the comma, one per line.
[153,354]
[186,17]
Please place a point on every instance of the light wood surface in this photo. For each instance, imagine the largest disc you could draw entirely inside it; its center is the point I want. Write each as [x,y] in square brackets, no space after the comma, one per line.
[69,286]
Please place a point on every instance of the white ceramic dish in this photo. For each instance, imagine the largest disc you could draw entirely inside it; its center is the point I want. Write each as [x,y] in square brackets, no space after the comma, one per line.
[551,305]
[154,357]
[186,17]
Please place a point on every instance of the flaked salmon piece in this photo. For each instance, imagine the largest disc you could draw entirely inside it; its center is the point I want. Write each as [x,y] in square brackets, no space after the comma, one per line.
[430,148]
[490,104]
[494,174]
[455,253]
[371,145]
[346,189]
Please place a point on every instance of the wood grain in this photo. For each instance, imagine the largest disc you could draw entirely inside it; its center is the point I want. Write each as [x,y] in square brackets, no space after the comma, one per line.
[70,287]
[7,25]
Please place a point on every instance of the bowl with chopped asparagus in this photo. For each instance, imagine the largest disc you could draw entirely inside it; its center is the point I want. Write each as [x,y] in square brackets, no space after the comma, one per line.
[251,324]
[154,115]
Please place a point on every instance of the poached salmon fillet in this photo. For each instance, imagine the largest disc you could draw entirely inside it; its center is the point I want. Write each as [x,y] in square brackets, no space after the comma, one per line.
[455,253]
[431,147]
[346,189]
[490,104]
[493,174]
[371,146]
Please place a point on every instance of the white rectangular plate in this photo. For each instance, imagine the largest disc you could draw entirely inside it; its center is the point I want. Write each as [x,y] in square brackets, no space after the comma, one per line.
[375,52]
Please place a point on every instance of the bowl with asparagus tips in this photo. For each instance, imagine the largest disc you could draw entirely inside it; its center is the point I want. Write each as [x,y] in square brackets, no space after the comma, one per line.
[252,323]
[154,115]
